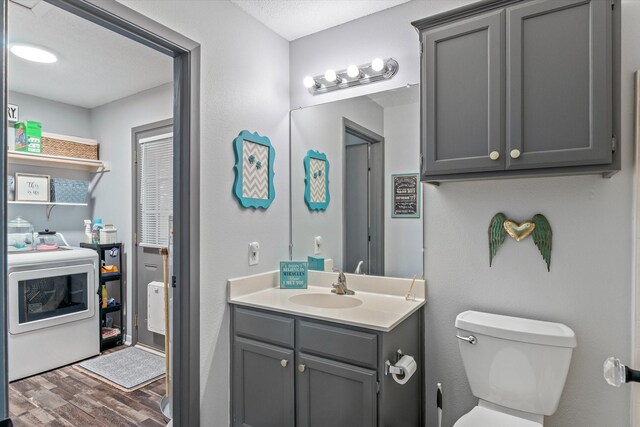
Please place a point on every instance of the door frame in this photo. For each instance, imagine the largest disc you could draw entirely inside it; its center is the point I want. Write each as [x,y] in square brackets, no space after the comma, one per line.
[635,291]
[134,216]
[369,135]
[186,79]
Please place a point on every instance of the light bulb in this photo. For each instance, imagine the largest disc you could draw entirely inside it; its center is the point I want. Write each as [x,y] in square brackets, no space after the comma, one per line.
[309,82]
[377,64]
[330,75]
[353,71]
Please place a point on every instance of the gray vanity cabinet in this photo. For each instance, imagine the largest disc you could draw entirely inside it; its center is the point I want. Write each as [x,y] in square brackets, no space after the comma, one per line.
[264,395]
[293,371]
[331,393]
[519,88]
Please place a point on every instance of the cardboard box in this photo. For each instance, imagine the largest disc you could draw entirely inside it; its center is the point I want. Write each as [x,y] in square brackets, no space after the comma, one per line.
[29,137]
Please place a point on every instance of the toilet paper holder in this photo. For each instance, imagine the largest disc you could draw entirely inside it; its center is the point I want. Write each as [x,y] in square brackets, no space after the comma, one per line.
[390,368]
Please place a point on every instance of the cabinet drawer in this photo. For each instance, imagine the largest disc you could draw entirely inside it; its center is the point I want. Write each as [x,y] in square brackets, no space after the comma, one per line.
[264,327]
[359,348]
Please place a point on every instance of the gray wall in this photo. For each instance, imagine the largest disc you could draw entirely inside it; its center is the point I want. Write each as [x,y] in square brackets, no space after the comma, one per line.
[111,197]
[245,85]
[590,284]
[403,237]
[381,35]
[320,128]
[60,118]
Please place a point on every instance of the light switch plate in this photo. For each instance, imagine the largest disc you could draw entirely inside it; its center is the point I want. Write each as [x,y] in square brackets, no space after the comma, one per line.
[317,245]
[254,253]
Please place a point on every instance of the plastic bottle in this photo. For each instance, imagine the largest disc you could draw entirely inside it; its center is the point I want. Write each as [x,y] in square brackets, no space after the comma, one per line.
[95,231]
[88,236]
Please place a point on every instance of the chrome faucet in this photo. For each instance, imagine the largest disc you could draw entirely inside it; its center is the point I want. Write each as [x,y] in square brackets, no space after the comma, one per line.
[340,288]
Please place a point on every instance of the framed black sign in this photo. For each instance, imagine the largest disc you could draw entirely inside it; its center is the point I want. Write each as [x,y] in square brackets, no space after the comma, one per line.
[405,195]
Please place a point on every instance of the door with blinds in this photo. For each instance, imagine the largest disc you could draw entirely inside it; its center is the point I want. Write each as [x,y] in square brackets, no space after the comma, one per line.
[153,155]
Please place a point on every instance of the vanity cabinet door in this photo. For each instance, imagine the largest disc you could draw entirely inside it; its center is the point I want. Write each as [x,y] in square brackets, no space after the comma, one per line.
[559,106]
[462,96]
[263,385]
[334,394]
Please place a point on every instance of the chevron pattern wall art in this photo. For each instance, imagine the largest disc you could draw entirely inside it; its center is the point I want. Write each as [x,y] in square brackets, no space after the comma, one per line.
[253,185]
[318,186]
[255,179]
[316,189]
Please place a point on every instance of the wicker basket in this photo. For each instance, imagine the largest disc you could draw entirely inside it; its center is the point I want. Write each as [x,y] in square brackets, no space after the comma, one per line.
[58,145]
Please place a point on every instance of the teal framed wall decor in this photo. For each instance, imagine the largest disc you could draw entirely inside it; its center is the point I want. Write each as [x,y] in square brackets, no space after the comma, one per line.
[316,181]
[253,186]
[405,195]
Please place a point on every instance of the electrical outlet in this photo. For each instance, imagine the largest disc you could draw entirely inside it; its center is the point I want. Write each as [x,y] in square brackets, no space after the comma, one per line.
[317,245]
[254,253]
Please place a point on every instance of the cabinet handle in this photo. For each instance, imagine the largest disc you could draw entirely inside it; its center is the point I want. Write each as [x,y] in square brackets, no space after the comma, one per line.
[494,155]
[515,153]
[301,367]
[284,363]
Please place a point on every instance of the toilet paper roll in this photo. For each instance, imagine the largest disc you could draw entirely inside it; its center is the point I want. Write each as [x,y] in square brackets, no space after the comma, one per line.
[409,365]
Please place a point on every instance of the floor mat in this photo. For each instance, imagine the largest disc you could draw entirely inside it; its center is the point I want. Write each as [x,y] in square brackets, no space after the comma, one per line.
[127,369]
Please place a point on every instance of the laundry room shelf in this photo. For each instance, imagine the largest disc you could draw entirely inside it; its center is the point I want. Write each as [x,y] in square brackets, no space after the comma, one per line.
[15,202]
[111,309]
[110,277]
[116,313]
[46,160]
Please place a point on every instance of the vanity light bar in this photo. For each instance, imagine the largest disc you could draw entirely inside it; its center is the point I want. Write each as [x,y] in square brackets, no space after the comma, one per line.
[372,72]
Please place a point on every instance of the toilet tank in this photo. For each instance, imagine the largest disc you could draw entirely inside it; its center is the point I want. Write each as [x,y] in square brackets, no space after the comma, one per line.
[517,363]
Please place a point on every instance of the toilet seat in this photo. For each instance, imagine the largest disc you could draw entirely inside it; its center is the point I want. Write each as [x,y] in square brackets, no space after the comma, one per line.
[484,417]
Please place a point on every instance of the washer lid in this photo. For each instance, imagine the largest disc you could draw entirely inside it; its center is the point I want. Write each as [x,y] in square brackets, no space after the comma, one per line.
[517,329]
[483,417]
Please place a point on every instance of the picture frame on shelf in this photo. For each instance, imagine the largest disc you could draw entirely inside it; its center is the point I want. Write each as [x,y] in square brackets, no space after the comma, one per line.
[32,188]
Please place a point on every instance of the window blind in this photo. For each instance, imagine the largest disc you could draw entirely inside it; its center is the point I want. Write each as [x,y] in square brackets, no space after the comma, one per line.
[155,164]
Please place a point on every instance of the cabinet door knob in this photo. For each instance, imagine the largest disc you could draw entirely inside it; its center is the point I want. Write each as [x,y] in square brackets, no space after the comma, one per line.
[494,155]
[284,363]
[301,367]
[515,153]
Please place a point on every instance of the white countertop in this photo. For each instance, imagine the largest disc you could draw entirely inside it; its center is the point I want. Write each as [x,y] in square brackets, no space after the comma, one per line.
[383,306]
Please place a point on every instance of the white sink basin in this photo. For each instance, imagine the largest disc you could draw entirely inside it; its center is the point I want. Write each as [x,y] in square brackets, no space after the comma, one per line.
[327,300]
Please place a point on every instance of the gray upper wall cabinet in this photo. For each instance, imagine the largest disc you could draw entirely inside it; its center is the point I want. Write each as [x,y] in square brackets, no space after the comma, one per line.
[519,88]
[463,95]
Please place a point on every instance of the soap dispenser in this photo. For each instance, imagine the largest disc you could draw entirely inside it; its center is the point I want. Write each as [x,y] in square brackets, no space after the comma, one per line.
[88,238]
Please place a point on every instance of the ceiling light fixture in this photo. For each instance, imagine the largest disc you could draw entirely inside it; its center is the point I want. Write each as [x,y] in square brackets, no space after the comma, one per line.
[33,53]
[354,75]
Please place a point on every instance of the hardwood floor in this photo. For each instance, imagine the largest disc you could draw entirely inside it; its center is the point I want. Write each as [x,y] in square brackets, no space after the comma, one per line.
[67,397]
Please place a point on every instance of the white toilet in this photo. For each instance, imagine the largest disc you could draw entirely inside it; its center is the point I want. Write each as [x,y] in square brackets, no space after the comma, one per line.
[516,368]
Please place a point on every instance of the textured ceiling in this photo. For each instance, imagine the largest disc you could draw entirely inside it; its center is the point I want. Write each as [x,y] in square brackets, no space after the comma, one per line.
[293,19]
[95,66]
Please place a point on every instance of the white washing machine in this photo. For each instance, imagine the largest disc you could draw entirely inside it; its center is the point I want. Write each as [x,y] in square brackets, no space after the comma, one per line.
[52,309]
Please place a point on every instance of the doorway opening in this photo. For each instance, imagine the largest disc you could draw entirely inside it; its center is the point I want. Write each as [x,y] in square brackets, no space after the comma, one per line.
[184,57]
[152,218]
[363,199]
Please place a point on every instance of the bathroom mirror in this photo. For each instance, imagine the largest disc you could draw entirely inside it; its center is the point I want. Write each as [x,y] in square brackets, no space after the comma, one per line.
[371,216]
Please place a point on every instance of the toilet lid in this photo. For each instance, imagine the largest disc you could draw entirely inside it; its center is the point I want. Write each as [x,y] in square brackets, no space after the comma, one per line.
[483,417]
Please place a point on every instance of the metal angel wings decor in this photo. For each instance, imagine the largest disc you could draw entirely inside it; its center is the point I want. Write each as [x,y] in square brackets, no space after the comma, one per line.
[539,228]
